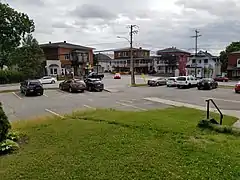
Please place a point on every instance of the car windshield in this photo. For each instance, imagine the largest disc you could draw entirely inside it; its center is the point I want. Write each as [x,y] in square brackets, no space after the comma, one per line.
[32,83]
[181,79]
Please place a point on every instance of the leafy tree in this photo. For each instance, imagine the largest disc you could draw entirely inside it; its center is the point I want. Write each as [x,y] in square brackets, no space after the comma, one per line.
[13,27]
[234,46]
[29,58]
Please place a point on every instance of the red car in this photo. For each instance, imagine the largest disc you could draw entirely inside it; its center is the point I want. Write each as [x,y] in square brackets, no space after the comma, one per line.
[221,79]
[237,87]
[117,76]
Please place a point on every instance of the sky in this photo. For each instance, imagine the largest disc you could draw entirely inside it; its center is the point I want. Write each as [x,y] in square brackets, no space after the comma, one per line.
[159,24]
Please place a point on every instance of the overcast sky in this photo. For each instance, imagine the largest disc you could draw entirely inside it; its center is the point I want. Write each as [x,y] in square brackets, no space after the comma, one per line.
[161,24]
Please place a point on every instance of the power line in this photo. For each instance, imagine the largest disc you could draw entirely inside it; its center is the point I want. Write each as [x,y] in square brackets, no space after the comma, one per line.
[197,35]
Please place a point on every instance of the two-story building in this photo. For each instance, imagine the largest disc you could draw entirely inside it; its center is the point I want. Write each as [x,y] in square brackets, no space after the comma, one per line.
[171,60]
[142,60]
[104,62]
[204,64]
[64,58]
[233,69]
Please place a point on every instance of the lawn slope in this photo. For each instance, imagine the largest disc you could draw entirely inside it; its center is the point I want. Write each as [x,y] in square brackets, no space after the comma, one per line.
[109,144]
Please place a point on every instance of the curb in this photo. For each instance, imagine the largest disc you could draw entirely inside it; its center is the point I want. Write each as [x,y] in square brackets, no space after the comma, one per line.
[107,90]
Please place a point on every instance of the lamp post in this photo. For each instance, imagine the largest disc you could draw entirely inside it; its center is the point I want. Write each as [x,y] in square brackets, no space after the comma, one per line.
[131,60]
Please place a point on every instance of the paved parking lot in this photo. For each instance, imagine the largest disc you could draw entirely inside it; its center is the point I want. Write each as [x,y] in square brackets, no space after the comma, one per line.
[58,102]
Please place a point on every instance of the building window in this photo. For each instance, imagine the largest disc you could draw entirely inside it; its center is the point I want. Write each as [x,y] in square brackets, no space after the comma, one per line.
[53,71]
[67,56]
[193,61]
[205,61]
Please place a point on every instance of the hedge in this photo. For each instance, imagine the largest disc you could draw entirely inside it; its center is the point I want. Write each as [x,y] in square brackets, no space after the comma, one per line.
[4,124]
[11,76]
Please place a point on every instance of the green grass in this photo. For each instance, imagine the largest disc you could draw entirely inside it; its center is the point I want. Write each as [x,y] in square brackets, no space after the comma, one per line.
[138,85]
[109,144]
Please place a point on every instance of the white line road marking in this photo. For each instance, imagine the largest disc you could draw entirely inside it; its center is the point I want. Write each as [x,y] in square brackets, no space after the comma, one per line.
[54,113]
[126,101]
[227,100]
[45,95]
[16,95]
[89,107]
[129,105]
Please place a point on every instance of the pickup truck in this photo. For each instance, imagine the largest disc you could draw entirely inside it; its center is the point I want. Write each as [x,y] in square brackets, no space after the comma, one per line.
[94,75]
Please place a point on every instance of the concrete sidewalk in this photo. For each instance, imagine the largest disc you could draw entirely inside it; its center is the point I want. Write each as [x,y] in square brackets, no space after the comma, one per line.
[181,104]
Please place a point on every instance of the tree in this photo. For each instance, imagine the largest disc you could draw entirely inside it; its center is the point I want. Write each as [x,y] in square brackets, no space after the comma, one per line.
[29,58]
[234,46]
[13,27]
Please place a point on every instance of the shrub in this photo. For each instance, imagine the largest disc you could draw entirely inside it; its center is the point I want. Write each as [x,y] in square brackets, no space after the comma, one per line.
[4,124]
[8,146]
[14,136]
[11,76]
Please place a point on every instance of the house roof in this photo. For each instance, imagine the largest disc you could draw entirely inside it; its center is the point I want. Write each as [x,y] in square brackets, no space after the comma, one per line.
[171,50]
[64,45]
[235,52]
[204,53]
[128,49]
[103,57]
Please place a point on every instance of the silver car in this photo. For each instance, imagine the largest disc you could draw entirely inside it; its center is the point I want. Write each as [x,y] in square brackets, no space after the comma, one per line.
[157,81]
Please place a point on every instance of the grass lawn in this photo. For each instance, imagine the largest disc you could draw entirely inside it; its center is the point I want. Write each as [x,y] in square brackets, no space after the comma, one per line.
[109,144]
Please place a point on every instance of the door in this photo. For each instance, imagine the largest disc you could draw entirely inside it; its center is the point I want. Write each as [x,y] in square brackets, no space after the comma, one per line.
[66,84]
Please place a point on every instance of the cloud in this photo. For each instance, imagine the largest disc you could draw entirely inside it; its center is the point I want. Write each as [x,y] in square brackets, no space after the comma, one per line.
[161,24]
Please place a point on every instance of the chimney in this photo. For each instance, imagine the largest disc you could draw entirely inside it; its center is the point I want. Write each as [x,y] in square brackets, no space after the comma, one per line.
[64,41]
[50,42]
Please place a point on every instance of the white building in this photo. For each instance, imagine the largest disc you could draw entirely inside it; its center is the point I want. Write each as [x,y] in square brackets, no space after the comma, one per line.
[204,65]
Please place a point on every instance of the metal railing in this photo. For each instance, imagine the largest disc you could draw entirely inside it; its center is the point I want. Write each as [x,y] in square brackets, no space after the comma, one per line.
[208,109]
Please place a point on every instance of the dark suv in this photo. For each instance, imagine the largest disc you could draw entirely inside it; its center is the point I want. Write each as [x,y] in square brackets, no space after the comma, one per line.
[31,87]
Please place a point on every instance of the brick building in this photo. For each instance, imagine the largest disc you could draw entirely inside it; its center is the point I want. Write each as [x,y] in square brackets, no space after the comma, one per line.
[233,69]
[64,58]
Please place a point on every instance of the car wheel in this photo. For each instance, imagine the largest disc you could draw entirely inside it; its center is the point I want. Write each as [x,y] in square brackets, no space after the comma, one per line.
[53,82]
[158,84]
[70,90]
[236,91]
[89,88]
[82,91]
[60,87]
[189,85]
[178,86]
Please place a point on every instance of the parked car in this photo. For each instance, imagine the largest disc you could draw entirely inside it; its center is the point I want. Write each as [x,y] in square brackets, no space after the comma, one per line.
[157,81]
[73,85]
[207,83]
[95,75]
[186,81]
[94,84]
[31,87]
[48,80]
[172,82]
[237,87]
[221,79]
[117,76]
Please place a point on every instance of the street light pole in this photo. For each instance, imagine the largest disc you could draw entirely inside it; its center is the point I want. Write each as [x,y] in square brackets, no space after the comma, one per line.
[132,31]
[197,35]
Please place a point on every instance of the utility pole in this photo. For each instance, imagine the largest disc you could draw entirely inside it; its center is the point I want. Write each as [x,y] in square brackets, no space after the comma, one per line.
[197,35]
[132,31]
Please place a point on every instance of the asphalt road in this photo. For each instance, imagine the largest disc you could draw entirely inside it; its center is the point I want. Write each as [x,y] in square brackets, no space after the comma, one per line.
[109,82]
[55,102]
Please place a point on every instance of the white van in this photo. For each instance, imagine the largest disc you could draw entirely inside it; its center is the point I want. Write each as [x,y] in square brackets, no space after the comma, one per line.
[172,82]
[186,81]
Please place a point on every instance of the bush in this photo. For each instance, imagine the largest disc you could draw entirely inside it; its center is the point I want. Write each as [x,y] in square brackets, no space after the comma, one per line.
[11,76]
[8,146]
[14,136]
[4,124]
